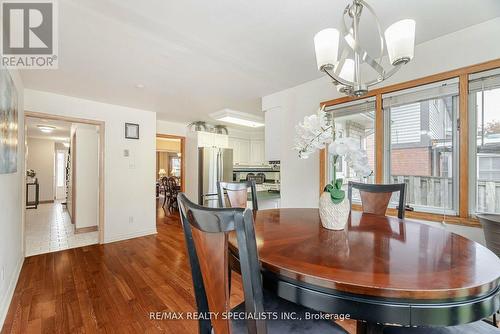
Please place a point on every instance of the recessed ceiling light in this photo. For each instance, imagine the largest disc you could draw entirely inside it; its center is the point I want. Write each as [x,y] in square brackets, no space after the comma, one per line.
[140,86]
[46,128]
[238,118]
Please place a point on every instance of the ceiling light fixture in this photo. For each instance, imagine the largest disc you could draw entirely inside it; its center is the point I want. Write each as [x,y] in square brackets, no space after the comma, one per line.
[238,118]
[346,71]
[46,128]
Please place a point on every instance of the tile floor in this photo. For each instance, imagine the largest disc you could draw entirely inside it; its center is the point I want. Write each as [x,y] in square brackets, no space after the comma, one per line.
[49,229]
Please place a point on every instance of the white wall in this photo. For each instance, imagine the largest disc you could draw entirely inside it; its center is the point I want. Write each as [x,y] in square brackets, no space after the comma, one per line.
[40,158]
[171,128]
[12,216]
[191,187]
[300,178]
[86,166]
[129,191]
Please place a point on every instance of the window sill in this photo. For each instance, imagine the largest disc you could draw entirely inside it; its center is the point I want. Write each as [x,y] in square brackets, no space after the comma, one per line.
[455,220]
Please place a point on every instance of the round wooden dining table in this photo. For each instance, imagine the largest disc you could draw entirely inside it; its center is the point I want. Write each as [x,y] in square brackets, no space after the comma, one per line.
[379,270]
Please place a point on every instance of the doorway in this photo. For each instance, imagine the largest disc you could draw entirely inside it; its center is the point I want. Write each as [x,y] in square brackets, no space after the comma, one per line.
[64,183]
[170,163]
[60,164]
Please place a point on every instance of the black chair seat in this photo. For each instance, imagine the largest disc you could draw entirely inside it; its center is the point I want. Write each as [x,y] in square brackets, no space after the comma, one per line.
[479,327]
[277,305]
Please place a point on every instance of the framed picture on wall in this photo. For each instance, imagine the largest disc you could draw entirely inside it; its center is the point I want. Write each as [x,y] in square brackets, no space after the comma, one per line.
[131,131]
[8,124]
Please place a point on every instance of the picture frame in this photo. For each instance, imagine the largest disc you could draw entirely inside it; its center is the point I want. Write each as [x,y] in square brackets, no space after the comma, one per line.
[8,123]
[131,131]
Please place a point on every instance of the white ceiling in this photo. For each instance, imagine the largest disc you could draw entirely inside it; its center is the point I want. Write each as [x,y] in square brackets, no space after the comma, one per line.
[61,133]
[195,57]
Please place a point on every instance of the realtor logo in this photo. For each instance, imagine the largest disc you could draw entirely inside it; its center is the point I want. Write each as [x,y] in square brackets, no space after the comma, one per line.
[29,34]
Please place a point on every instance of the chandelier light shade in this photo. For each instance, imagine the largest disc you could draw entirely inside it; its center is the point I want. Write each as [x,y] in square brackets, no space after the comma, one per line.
[346,73]
[345,70]
[326,45]
[400,40]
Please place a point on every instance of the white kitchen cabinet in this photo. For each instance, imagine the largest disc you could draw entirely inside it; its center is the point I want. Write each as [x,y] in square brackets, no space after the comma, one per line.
[221,141]
[208,139]
[247,151]
[257,152]
[205,139]
[241,150]
[244,154]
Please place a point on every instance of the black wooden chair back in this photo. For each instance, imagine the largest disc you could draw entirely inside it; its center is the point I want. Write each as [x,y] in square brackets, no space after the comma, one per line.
[375,198]
[164,183]
[164,189]
[237,194]
[172,186]
[206,231]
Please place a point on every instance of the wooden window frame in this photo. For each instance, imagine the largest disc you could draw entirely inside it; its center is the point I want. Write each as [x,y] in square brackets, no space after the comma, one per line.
[463,217]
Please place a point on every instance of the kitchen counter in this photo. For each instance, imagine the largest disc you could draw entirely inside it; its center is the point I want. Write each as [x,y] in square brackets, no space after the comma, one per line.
[267,200]
[266,195]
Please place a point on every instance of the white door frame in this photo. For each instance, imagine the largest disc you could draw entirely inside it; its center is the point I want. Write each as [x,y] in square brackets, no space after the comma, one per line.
[101,126]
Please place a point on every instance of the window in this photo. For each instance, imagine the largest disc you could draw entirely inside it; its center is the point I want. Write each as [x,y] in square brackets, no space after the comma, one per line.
[484,113]
[175,166]
[422,145]
[356,120]
[60,169]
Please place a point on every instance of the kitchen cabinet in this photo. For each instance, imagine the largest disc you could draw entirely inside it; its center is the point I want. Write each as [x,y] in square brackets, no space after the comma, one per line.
[221,141]
[208,139]
[247,151]
[241,150]
[257,156]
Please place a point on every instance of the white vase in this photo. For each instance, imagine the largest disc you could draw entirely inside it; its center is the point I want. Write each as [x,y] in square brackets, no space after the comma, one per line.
[333,216]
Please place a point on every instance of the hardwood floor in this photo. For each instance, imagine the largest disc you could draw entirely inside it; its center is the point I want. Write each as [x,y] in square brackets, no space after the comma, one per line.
[110,288]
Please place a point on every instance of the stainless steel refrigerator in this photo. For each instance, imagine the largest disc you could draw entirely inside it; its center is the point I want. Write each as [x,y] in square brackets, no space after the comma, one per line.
[215,164]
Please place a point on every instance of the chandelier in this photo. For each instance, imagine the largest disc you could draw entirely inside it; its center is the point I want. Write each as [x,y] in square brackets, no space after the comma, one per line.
[399,38]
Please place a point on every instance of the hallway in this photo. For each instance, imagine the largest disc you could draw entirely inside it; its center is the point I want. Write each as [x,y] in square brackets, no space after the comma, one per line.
[49,229]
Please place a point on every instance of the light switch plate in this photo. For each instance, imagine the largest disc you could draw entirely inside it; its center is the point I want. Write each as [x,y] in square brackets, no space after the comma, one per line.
[126,153]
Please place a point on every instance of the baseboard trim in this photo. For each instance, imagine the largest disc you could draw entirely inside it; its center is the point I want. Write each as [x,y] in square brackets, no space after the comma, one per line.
[132,235]
[5,303]
[85,229]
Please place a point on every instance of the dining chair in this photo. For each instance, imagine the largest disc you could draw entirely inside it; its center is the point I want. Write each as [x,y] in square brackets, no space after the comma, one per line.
[206,231]
[491,230]
[173,190]
[164,189]
[375,198]
[237,194]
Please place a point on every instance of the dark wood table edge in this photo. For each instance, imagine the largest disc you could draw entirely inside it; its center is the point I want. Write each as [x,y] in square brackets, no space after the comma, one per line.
[465,292]
[372,309]
[456,294]
[382,310]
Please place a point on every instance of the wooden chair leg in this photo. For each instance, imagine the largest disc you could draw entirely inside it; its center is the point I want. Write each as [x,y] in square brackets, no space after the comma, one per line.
[229,271]
[170,204]
[164,199]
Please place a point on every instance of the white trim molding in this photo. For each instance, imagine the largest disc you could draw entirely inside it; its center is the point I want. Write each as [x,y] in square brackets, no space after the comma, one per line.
[7,298]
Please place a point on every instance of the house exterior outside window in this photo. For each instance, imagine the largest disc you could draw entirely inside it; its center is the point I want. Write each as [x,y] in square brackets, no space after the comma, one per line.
[484,160]
[421,147]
